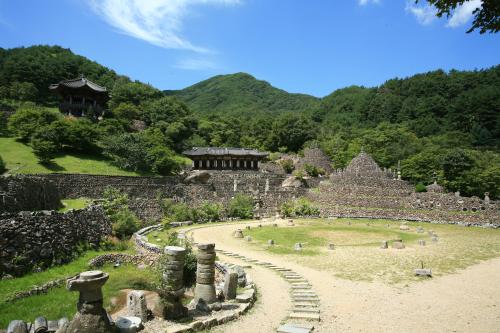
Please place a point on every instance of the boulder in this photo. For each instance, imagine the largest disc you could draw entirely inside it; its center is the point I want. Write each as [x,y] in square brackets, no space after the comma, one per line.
[197,177]
[293,182]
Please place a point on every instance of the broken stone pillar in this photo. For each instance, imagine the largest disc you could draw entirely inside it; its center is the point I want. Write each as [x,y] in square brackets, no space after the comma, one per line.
[298,247]
[174,283]
[238,234]
[270,242]
[434,238]
[230,285]
[136,305]
[290,223]
[91,316]
[205,274]
[331,246]
[421,242]
[384,245]
[248,238]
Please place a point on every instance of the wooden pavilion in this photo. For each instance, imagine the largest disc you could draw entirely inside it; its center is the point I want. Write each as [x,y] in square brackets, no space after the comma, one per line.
[215,158]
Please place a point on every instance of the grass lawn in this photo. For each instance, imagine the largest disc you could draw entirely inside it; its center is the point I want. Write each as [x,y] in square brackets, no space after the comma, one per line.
[79,203]
[59,302]
[19,158]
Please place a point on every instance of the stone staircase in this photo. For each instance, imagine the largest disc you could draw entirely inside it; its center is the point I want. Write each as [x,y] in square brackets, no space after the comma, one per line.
[305,300]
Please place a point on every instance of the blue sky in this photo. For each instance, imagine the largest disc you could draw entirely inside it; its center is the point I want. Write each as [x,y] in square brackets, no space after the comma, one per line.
[308,46]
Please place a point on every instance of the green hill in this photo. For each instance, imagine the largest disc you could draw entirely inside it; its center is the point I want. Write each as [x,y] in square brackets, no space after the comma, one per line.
[241,93]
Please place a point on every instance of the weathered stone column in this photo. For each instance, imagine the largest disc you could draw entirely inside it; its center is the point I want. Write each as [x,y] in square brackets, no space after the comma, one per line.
[91,316]
[174,283]
[205,274]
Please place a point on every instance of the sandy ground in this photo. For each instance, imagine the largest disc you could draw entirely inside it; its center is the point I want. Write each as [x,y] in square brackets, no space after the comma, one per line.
[468,301]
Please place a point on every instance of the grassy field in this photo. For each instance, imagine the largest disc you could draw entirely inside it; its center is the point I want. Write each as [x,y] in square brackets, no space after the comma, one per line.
[79,203]
[357,254]
[19,158]
[59,302]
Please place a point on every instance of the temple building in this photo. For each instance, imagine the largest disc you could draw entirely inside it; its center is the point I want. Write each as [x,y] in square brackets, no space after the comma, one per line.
[214,158]
[80,96]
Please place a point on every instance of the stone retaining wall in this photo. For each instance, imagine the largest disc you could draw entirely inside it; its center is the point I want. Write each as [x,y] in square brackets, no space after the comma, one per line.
[39,239]
[18,193]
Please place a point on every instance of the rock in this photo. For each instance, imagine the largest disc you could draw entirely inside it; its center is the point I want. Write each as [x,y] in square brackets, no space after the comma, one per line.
[423,272]
[398,244]
[293,182]
[434,239]
[295,328]
[238,234]
[197,177]
[298,247]
[217,306]
[17,326]
[230,285]
[136,305]
[331,246]
[404,227]
[270,242]
[248,238]
[202,306]
[129,324]
[384,245]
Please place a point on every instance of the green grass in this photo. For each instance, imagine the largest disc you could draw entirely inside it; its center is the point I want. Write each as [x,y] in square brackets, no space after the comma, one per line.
[79,203]
[19,158]
[315,234]
[59,302]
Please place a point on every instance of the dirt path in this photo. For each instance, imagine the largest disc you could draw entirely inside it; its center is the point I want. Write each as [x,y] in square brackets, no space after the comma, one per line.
[468,301]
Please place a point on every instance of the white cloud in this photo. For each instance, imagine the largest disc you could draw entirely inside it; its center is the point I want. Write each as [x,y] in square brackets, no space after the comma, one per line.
[366,2]
[195,64]
[463,13]
[425,14]
[158,22]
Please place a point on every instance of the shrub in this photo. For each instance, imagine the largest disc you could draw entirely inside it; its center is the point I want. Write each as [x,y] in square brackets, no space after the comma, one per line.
[176,211]
[299,207]
[2,165]
[313,170]
[125,223]
[299,174]
[420,188]
[44,149]
[287,165]
[27,120]
[115,204]
[241,206]
[207,212]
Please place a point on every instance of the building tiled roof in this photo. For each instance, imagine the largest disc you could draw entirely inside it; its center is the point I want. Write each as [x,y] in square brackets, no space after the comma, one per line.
[78,83]
[220,151]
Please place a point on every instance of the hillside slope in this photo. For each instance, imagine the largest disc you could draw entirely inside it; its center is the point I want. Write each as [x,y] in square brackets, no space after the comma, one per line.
[242,93]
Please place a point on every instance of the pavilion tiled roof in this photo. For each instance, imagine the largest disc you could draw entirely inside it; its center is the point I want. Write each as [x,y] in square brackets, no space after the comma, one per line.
[222,151]
[79,83]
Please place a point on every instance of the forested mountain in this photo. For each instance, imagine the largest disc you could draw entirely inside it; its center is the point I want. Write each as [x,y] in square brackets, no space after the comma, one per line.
[241,93]
[437,123]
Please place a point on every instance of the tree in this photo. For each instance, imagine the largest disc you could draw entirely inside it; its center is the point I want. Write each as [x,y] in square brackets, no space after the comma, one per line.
[27,120]
[241,206]
[291,131]
[44,149]
[486,17]
[2,165]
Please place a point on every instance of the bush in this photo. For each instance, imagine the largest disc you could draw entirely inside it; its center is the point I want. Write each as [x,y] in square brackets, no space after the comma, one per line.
[299,207]
[207,212]
[313,170]
[420,188]
[176,211]
[287,165]
[115,204]
[44,149]
[241,206]
[125,223]
[2,165]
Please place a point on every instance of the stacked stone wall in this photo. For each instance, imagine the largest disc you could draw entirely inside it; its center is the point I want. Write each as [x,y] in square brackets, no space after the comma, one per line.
[18,193]
[30,239]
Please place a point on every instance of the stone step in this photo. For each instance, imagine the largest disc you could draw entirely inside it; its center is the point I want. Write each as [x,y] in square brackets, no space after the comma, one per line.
[283,269]
[301,287]
[305,299]
[306,304]
[295,328]
[296,280]
[308,309]
[296,284]
[304,315]
[302,294]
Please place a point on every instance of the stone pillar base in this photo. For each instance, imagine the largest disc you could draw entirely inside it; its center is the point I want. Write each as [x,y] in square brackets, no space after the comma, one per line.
[205,292]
